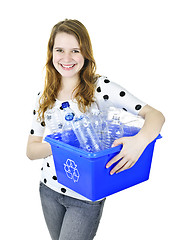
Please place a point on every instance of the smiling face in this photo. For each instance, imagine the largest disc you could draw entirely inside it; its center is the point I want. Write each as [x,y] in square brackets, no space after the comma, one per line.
[67,57]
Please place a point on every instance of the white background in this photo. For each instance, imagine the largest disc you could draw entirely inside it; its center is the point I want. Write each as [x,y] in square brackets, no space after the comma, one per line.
[136,44]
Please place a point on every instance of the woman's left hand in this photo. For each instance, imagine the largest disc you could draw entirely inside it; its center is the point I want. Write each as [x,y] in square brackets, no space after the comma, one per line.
[129,154]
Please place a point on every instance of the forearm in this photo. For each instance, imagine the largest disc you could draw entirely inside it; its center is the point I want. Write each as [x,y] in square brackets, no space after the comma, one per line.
[37,150]
[154,121]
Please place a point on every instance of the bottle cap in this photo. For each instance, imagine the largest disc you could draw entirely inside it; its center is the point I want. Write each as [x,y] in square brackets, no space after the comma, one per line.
[69,116]
[65,104]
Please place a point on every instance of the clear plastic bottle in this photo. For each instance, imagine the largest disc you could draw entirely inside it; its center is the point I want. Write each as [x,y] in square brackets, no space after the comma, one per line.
[83,130]
[68,112]
[131,128]
[68,135]
[86,134]
[54,119]
[113,128]
[97,122]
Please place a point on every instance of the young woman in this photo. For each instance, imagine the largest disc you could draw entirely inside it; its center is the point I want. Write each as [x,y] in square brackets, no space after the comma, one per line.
[70,76]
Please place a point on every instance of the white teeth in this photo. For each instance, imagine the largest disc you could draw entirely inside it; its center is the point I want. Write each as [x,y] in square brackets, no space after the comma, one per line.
[68,66]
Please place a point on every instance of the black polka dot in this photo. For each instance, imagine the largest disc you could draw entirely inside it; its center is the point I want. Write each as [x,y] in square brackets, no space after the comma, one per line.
[122,94]
[31,131]
[42,169]
[61,108]
[43,124]
[54,178]
[45,180]
[138,107]
[34,112]
[106,97]
[106,81]
[124,109]
[63,190]
[99,89]
[48,164]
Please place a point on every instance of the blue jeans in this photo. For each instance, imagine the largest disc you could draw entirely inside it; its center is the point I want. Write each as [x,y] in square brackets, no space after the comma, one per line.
[69,218]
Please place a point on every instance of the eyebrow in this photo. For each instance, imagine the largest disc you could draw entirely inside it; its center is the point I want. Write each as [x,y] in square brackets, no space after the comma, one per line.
[71,48]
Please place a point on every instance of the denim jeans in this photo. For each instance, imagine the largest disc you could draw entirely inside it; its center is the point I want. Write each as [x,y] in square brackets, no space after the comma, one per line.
[69,218]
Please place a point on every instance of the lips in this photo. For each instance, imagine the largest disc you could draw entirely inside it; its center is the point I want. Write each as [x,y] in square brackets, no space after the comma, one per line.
[67,67]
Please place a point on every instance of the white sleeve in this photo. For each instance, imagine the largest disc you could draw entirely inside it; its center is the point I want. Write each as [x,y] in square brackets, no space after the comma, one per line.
[38,127]
[118,96]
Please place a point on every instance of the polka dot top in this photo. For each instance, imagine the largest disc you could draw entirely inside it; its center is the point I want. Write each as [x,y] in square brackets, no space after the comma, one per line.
[105,89]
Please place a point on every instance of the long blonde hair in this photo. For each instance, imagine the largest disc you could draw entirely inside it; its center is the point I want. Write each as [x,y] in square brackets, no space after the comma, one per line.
[84,92]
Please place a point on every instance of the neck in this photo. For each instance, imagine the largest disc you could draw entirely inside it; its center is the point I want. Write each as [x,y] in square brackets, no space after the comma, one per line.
[69,83]
[66,88]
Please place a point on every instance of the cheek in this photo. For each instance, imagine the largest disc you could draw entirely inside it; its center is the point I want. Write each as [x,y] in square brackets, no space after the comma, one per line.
[81,60]
[55,58]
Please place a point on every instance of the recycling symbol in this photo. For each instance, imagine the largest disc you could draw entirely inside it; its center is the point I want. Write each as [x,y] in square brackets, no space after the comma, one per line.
[71,170]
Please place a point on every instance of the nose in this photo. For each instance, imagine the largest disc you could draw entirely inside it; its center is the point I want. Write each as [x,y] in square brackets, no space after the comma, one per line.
[67,57]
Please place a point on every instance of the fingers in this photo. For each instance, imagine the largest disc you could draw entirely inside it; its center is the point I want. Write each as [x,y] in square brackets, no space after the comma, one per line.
[126,158]
[114,159]
[117,142]
[122,165]
[119,166]
[126,166]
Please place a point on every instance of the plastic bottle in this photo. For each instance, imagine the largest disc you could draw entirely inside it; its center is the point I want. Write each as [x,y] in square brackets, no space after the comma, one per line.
[96,121]
[83,130]
[54,120]
[86,134]
[113,128]
[68,112]
[68,135]
[114,131]
[130,128]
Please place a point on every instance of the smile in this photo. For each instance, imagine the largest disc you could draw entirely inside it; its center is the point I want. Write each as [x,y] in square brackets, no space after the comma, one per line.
[68,67]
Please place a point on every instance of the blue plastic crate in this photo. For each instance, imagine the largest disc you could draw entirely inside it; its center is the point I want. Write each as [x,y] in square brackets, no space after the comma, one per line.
[86,174]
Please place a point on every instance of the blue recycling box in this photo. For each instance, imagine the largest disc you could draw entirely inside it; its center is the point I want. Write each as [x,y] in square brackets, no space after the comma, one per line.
[86,173]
